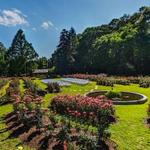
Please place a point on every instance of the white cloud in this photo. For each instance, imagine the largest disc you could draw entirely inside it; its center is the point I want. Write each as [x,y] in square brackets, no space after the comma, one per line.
[34,29]
[12,17]
[47,24]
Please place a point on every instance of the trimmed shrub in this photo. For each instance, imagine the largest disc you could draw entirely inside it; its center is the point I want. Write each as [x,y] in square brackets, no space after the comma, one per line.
[105,82]
[112,94]
[53,87]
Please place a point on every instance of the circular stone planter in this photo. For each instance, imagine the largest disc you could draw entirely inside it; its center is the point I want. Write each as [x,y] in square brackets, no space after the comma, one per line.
[126,99]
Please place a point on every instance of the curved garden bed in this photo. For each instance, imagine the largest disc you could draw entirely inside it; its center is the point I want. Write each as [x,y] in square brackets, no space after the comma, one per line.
[127,98]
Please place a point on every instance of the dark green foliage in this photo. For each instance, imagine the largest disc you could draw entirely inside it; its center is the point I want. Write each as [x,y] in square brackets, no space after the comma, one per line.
[64,56]
[105,82]
[33,87]
[3,61]
[21,55]
[53,87]
[120,47]
[144,82]
[42,63]
[122,81]
[112,94]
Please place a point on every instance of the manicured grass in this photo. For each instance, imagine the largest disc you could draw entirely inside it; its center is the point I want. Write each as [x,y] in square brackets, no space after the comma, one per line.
[130,132]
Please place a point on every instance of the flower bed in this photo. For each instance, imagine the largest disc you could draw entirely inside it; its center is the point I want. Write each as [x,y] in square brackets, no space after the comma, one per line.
[28,109]
[11,90]
[34,88]
[91,77]
[87,108]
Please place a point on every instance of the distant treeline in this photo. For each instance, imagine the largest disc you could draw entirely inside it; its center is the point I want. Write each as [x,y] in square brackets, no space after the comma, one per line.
[20,58]
[121,47]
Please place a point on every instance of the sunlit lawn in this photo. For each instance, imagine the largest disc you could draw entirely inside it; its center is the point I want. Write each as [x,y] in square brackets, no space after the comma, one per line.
[130,132]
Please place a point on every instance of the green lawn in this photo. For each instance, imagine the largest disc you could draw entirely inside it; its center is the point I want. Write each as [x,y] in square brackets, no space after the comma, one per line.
[130,132]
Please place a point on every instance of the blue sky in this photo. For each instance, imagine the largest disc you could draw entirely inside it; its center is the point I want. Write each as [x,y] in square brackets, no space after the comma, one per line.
[43,20]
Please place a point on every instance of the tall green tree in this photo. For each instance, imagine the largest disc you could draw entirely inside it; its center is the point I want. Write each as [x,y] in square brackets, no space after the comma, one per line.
[21,55]
[64,56]
[42,63]
[3,63]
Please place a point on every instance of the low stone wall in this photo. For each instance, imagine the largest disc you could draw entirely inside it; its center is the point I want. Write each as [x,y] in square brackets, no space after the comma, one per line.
[137,98]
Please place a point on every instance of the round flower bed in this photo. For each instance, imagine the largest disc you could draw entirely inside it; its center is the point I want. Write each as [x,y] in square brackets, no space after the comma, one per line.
[126,98]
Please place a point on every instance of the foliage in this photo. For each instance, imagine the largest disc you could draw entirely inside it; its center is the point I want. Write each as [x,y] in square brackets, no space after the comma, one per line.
[63,57]
[92,77]
[119,48]
[105,82]
[42,63]
[112,94]
[21,55]
[53,87]
[3,61]
[122,81]
[28,110]
[33,87]
[144,82]
[85,108]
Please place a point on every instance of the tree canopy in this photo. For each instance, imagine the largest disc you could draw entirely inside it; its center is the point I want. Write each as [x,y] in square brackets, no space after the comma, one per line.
[120,47]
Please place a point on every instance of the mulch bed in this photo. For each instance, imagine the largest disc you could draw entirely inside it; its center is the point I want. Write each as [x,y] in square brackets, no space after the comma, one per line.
[37,139]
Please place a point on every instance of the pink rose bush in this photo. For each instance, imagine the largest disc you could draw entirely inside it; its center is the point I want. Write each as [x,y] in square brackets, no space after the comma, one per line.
[29,110]
[91,77]
[86,108]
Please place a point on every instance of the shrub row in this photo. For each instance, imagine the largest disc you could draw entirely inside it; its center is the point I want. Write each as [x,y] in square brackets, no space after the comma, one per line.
[33,87]
[12,89]
[91,77]
[105,82]
[144,82]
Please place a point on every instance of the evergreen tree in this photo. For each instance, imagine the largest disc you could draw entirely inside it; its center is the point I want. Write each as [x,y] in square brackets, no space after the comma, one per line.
[21,55]
[42,63]
[3,63]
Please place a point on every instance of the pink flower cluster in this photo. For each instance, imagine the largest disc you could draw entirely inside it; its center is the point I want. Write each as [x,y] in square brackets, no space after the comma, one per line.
[86,76]
[82,107]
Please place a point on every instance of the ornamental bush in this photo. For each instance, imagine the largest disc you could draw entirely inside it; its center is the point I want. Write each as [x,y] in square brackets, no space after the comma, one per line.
[94,111]
[53,87]
[122,81]
[105,82]
[28,110]
[112,94]
[91,77]
[144,82]
[33,87]
[86,108]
